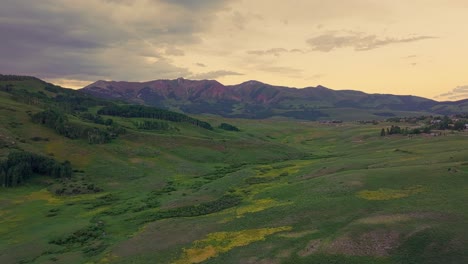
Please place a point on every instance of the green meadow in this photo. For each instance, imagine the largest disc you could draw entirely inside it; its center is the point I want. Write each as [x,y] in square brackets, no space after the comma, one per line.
[277,191]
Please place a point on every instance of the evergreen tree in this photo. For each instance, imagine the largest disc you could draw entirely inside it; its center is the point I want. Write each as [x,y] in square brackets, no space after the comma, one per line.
[20,166]
[228,127]
[382,132]
[151,112]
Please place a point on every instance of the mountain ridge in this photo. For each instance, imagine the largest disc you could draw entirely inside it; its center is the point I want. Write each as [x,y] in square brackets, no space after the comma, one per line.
[248,83]
[258,100]
[255,99]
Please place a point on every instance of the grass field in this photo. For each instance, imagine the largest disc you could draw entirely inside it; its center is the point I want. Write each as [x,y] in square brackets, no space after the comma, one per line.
[278,191]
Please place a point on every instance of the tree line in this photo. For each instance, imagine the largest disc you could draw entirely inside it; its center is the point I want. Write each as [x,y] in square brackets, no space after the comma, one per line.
[152,125]
[447,123]
[228,127]
[59,122]
[151,112]
[10,78]
[97,119]
[21,166]
[67,100]
[394,130]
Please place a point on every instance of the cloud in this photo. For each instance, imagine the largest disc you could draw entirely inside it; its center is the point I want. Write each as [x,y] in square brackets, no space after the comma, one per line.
[198,5]
[296,51]
[316,76]
[274,51]
[101,39]
[281,69]
[359,41]
[461,89]
[240,20]
[458,93]
[214,75]
[172,51]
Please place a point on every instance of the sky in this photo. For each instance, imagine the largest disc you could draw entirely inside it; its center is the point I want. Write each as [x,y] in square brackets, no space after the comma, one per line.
[416,47]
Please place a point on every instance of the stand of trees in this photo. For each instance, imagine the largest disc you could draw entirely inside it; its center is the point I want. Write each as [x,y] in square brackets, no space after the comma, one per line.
[228,127]
[72,101]
[447,123]
[20,166]
[11,78]
[6,88]
[152,125]
[394,130]
[59,122]
[151,112]
[67,100]
[97,119]
[55,120]
[456,122]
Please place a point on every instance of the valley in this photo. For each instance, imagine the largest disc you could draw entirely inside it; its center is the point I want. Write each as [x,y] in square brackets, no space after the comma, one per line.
[154,186]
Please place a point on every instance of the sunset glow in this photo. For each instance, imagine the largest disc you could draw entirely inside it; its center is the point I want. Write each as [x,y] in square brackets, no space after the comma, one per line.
[399,47]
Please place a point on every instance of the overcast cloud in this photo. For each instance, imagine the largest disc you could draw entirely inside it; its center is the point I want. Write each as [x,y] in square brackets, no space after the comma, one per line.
[353,44]
[213,75]
[359,41]
[114,39]
[458,93]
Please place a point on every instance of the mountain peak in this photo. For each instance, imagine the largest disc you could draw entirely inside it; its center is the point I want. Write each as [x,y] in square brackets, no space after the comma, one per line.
[322,87]
[251,83]
[254,99]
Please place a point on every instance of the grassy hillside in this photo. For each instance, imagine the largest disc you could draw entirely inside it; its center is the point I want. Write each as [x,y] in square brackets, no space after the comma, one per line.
[277,191]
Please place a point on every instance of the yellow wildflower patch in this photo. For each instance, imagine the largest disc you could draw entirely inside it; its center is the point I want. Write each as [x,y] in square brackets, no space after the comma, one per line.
[221,242]
[257,206]
[287,169]
[256,189]
[197,255]
[94,212]
[389,194]
[43,195]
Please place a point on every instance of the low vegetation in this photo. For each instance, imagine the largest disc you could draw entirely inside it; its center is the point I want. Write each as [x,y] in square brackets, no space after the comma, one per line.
[226,201]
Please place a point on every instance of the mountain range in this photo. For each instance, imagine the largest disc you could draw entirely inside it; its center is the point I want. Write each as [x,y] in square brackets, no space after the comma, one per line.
[253,99]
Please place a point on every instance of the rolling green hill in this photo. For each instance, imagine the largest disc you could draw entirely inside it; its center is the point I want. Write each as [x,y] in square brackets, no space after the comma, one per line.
[153,186]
